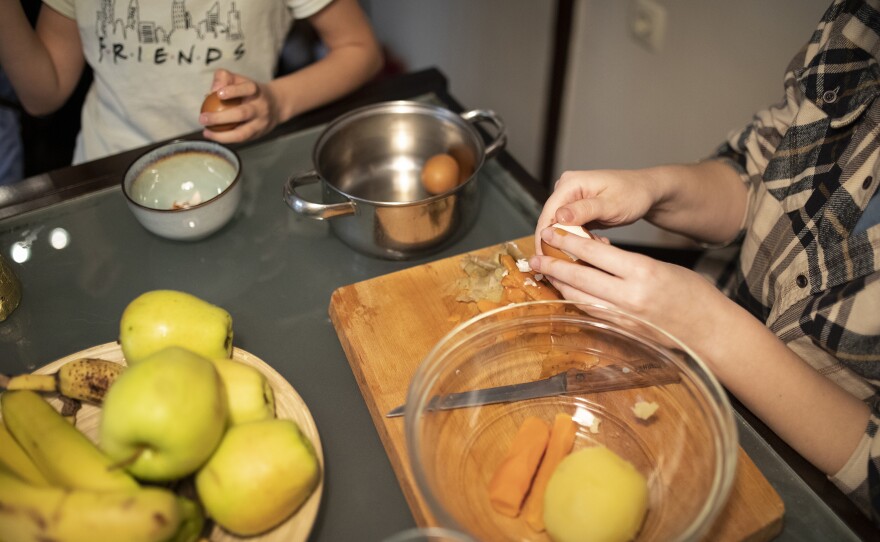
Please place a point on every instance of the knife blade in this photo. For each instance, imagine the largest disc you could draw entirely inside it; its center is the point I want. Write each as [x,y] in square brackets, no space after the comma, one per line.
[597,379]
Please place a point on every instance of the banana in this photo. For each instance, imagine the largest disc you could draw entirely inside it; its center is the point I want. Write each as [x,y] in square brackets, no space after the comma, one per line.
[64,455]
[37,514]
[86,379]
[14,458]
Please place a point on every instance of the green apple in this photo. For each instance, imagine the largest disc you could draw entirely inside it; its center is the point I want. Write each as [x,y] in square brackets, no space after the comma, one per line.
[261,473]
[192,521]
[163,417]
[161,318]
[248,392]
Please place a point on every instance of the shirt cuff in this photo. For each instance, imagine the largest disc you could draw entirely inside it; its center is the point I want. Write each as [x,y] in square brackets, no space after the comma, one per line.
[852,479]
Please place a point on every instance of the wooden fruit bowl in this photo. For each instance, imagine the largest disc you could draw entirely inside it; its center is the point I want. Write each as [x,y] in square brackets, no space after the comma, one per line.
[288,405]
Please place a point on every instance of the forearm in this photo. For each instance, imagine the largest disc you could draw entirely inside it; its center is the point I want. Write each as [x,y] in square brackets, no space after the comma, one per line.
[705,201]
[42,80]
[340,72]
[354,57]
[811,413]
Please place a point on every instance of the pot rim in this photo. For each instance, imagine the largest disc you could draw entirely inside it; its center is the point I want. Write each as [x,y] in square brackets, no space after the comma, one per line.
[400,106]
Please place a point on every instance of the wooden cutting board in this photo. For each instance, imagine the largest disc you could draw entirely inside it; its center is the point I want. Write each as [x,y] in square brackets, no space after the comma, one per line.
[388,324]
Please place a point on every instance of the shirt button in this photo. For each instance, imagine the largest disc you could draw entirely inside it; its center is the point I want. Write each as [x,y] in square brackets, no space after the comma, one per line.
[829,96]
[867,182]
[802,281]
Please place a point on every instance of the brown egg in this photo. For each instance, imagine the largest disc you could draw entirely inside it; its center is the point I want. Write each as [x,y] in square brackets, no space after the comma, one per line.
[580,231]
[440,174]
[213,104]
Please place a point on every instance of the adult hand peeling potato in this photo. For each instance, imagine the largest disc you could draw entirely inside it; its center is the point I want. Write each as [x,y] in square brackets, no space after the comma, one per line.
[662,293]
[667,295]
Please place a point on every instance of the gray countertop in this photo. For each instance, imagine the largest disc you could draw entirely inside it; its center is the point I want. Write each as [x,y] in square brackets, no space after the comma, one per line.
[82,260]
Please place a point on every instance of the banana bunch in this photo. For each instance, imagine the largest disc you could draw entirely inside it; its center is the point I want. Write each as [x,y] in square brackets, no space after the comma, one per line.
[55,484]
[84,379]
[35,513]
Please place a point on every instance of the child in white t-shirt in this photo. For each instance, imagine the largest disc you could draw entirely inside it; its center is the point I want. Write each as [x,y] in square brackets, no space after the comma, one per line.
[154,61]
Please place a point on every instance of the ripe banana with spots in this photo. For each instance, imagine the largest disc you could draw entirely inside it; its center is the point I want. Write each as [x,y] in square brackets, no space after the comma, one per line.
[65,456]
[36,514]
[85,379]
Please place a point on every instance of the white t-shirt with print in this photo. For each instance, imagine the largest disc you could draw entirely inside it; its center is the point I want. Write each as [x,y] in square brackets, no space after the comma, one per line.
[153,61]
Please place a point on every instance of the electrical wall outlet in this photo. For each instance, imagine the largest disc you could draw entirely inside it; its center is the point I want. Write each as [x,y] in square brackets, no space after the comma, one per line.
[647,23]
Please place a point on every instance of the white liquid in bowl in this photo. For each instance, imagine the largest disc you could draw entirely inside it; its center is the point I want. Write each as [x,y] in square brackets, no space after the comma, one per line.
[182,180]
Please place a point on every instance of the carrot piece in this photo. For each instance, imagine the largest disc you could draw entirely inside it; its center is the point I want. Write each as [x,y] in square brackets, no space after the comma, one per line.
[513,476]
[524,281]
[561,440]
[485,305]
[515,295]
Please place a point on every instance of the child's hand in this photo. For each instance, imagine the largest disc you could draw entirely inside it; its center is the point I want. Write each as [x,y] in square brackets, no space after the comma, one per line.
[256,115]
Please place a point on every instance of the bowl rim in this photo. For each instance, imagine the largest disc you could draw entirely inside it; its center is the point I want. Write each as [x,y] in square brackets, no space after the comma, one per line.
[198,144]
[726,454]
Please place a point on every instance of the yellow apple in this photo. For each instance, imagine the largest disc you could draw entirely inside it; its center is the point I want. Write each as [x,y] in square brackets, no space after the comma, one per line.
[248,393]
[260,474]
[160,318]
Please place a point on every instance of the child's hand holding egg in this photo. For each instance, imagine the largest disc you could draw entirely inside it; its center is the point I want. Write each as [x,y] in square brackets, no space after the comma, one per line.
[440,174]
[214,104]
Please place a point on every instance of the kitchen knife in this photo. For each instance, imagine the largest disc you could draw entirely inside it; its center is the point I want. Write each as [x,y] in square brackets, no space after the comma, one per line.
[596,379]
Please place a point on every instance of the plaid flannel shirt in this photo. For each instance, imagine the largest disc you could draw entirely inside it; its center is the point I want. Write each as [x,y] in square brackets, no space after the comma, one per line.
[812,163]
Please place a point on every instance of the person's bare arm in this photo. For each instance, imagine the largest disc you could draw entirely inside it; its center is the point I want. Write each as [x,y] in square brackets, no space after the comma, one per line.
[353,58]
[811,413]
[705,201]
[43,64]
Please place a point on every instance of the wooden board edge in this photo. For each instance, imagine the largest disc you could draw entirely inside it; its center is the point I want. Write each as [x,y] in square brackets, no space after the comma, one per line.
[400,465]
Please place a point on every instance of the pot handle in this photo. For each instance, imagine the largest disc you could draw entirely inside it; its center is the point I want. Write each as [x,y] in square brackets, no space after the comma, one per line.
[308,209]
[475,116]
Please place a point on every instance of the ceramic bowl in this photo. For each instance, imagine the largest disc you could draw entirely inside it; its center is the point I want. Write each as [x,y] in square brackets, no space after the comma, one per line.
[687,449]
[184,190]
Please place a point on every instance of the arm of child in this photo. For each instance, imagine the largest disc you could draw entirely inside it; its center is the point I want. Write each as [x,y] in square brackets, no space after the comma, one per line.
[353,57]
[43,64]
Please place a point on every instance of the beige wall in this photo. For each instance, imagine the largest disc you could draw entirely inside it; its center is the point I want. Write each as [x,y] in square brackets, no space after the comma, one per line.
[625,106]
[496,54]
[630,107]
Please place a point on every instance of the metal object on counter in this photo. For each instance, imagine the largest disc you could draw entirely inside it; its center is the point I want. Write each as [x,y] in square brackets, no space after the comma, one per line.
[10,289]
[598,379]
[369,164]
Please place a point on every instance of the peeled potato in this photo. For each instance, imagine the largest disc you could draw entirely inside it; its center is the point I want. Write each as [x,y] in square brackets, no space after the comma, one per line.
[594,495]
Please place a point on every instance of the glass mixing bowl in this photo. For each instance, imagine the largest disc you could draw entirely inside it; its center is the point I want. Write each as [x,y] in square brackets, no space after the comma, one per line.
[687,449]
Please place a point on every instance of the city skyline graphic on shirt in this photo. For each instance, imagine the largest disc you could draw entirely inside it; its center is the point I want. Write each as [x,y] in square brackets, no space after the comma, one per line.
[124,36]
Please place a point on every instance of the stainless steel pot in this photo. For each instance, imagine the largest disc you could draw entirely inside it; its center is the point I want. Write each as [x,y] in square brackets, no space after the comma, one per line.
[369,162]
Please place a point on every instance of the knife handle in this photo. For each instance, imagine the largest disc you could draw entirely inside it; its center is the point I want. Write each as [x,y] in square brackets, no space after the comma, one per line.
[616,377]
